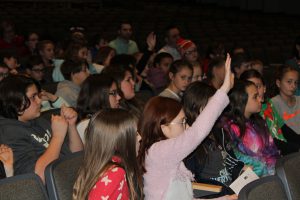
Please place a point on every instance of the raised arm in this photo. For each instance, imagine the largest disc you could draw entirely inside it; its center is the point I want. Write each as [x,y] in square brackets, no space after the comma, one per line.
[174,150]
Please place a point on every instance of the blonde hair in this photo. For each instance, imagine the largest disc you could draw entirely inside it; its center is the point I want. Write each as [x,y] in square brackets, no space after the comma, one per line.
[111,132]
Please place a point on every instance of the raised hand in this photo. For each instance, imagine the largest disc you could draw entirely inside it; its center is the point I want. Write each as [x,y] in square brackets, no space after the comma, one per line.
[229,76]
[151,41]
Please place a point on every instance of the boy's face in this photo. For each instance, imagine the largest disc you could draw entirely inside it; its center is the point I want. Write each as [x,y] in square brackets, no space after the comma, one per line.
[11,62]
[173,36]
[165,64]
[37,72]
[125,31]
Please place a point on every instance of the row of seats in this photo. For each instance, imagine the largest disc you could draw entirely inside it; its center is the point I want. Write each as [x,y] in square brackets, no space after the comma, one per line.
[284,185]
[61,175]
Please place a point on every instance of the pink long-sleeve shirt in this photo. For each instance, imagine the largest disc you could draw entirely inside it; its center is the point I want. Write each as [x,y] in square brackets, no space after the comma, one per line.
[166,176]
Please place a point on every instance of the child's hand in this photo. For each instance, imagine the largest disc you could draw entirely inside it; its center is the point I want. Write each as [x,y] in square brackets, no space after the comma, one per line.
[69,114]
[151,41]
[59,127]
[47,96]
[6,155]
[229,76]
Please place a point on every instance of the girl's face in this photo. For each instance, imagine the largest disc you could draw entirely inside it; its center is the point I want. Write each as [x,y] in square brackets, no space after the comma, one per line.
[261,88]
[182,78]
[48,51]
[288,84]
[83,53]
[175,127]
[33,39]
[127,86]
[33,111]
[165,64]
[114,96]
[254,102]
[197,74]
[191,54]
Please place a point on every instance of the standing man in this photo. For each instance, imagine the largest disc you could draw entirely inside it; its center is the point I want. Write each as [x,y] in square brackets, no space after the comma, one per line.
[172,34]
[122,44]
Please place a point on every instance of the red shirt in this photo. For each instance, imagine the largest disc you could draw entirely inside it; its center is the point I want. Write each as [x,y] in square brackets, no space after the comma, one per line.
[111,185]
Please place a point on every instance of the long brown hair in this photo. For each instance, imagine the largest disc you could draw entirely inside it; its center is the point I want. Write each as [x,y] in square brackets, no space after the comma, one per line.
[158,111]
[111,132]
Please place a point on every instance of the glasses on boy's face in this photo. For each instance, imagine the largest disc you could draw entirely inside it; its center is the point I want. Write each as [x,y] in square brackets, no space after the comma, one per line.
[114,93]
[183,122]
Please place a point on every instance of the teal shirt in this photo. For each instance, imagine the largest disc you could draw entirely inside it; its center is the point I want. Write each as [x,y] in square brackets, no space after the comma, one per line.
[124,47]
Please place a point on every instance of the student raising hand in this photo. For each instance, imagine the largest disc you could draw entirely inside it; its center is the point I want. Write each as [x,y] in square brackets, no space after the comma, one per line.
[229,76]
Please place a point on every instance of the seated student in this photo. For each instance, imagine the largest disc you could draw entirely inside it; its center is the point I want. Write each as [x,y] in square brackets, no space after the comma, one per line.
[4,71]
[213,161]
[110,169]
[97,92]
[284,137]
[35,143]
[257,65]
[123,76]
[75,51]
[98,41]
[6,161]
[74,72]
[216,72]
[249,134]
[45,49]
[180,74]
[197,72]
[10,59]
[286,102]
[188,50]
[165,142]
[158,73]
[102,58]
[123,43]
[31,42]
[35,69]
[240,63]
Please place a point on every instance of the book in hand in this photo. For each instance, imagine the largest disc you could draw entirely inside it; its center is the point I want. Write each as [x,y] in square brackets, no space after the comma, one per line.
[246,177]
[203,189]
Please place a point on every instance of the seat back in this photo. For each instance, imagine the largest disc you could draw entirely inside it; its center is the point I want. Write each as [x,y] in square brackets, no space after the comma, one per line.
[287,169]
[266,188]
[20,187]
[61,175]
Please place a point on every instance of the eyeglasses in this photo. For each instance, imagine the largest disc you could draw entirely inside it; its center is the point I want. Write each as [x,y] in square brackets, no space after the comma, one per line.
[183,122]
[114,93]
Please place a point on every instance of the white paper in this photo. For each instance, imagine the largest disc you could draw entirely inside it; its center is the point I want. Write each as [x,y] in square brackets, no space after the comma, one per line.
[246,177]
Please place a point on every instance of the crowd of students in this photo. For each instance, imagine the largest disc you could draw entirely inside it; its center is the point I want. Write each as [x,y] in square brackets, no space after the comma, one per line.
[149,122]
